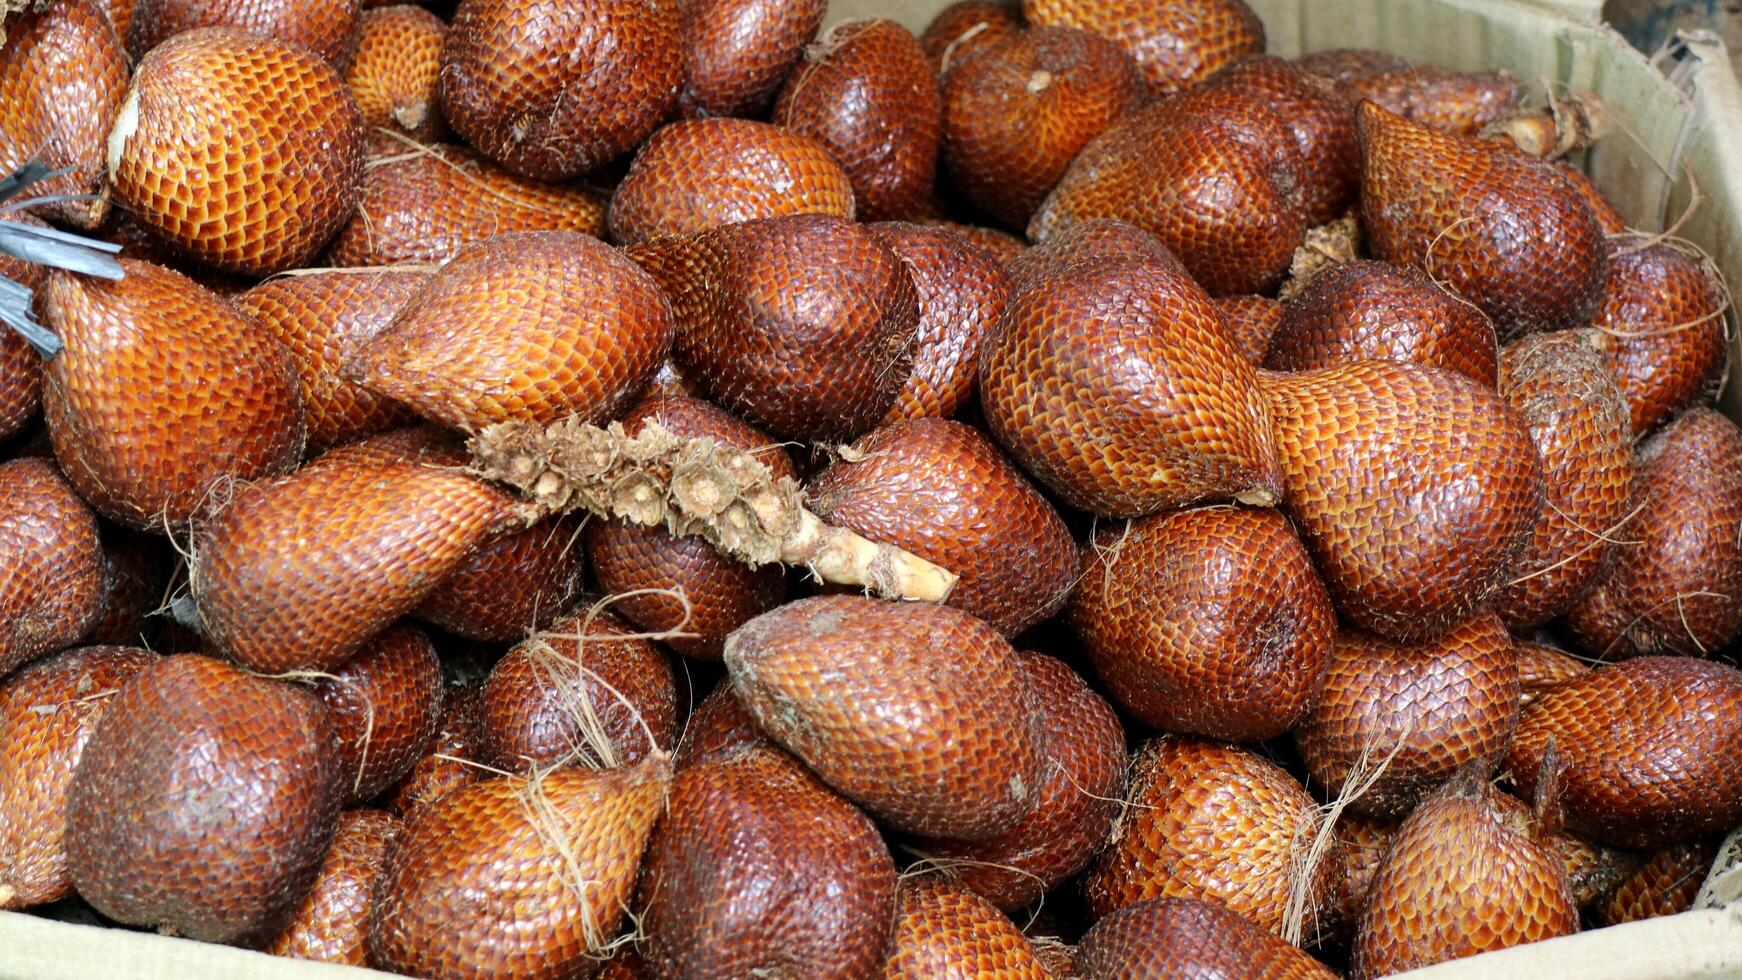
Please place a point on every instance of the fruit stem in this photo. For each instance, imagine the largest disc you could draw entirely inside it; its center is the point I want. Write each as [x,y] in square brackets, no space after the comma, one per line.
[1570,122]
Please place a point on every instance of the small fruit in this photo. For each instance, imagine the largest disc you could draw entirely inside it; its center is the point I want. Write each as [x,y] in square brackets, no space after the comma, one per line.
[1661,325]
[737,52]
[966,27]
[1252,321]
[393,75]
[385,703]
[448,763]
[332,925]
[1665,884]
[1171,937]
[946,932]
[52,570]
[1176,44]
[1454,102]
[1541,667]
[513,585]
[716,728]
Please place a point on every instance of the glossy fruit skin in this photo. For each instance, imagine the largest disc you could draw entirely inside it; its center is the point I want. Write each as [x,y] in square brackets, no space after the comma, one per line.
[1362,843]
[332,924]
[327,27]
[1676,772]
[866,93]
[1084,245]
[1176,44]
[385,703]
[1592,869]
[855,688]
[1444,704]
[52,569]
[1665,884]
[1367,450]
[138,423]
[943,930]
[1209,621]
[1319,117]
[717,728]
[513,585]
[48,711]
[553,91]
[737,52]
[942,491]
[1505,231]
[393,75]
[964,28]
[247,153]
[446,764]
[204,801]
[1252,321]
[1002,244]
[1608,218]
[1541,667]
[756,865]
[1661,327]
[1171,937]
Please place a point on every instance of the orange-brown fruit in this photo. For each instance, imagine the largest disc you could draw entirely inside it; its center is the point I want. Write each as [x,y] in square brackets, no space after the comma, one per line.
[204,801]
[515,877]
[1212,822]
[1209,621]
[702,173]
[48,711]
[965,28]
[1214,173]
[1665,884]
[62,77]
[120,13]
[1083,781]
[244,152]
[1674,583]
[1602,209]
[1085,244]
[1179,937]
[1015,118]
[1541,667]
[866,93]
[332,924]
[1431,707]
[962,290]
[1412,487]
[1344,64]
[1503,230]
[1363,309]
[139,421]
[758,869]
[1176,44]
[1453,102]
[1252,321]
[1661,326]
[1115,383]
[327,27]
[508,587]
[1361,845]
[946,932]
[1466,874]
[1319,117]
[737,52]
[1649,750]
[534,327]
[1002,244]
[918,713]
[137,570]
[322,319]
[548,701]
[385,704]
[298,573]
[446,765]
[643,566]
[52,570]
[393,74]
[941,490]
[1578,421]
[20,364]
[716,728]
[554,90]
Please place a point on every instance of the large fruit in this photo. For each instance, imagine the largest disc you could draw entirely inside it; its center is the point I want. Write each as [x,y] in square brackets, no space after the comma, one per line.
[965,28]
[1321,120]
[52,569]
[327,27]
[737,52]
[1661,326]
[1176,44]
[946,932]
[1177,937]
[332,924]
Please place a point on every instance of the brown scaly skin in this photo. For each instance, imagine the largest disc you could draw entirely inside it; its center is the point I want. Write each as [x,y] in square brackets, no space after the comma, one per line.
[716,728]
[328,27]
[1172,937]
[737,52]
[52,570]
[1541,667]
[965,28]
[510,586]
[332,924]
[393,74]
[1252,321]
[1002,244]
[1665,884]
[20,364]
[1453,102]
[1084,245]
[385,703]
[445,765]
[138,571]
[1321,121]
[1176,44]
[1593,870]
[945,930]
[1362,843]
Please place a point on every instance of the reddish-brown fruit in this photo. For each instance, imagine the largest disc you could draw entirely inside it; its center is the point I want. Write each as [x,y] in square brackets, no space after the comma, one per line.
[327,27]
[332,925]
[48,711]
[1361,845]
[1665,884]
[1319,117]
[737,52]
[1541,667]
[1345,64]
[62,77]
[858,689]
[702,173]
[555,90]
[120,13]
[1503,230]
[1578,421]
[543,701]
[1608,218]
[1371,310]
[1176,44]
[1209,621]
[1086,244]
[1212,822]
[1115,383]
[137,570]
[1592,869]
[393,75]
[244,152]
[1432,708]
[946,932]
[1413,488]
[1661,325]
[1674,583]
[430,445]
[1180,937]
[1454,102]
[52,570]
[866,93]
[1252,321]
[965,28]
[1002,244]
[204,801]
[1466,874]
[446,765]
[1649,750]
[1015,118]
[513,585]
[1084,778]
[532,327]
[20,364]
[385,703]
[758,869]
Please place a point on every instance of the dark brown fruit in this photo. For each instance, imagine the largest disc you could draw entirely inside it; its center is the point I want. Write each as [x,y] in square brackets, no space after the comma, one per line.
[1453,102]
[1344,64]
[716,729]
[244,152]
[52,571]
[1371,310]
[1541,667]
[1503,230]
[137,570]
[1176,937]
[946,932]
[965,28]
[1321,120]
[327,27]
[204,802]
[1661,324]
[139,425]
[1664,885]
[513,585]
[447,764]
[1209,621]
[1413,488]
[856,688]
[48,711]
[1252,321]
[866,93]
[393,75]
[385,704]
[332,924]
[1440,705]
[758,869]
[1176,44]
[1362,843]
[1649,751]
[737,52]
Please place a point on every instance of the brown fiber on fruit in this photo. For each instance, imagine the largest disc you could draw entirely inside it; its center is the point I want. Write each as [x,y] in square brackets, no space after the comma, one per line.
[1664,885]
[52,570]
[965,28]
[1541,667]
[1176,44]
[1172,937]
[385,703]
[716,728]
[327,27]
[737,52]
[1319,117]
[393,75]
[447,763]
[1252,320]
[1209,621]
[244,152]
[1362,842]
[946,932]
[513,585]
[332,924]
[204,802]
[1453,102]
